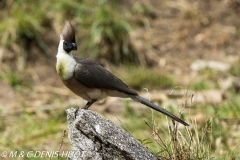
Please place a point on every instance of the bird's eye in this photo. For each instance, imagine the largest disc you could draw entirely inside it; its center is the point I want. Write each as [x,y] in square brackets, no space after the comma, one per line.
[67,46]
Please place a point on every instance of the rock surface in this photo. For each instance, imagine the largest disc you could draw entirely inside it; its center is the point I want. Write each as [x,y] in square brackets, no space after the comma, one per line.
[93,137]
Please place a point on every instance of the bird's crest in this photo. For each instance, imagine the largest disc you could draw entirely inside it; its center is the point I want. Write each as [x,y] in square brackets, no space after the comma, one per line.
[68,33]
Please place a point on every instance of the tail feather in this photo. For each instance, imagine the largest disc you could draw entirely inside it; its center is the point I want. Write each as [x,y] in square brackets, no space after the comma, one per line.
[157,108]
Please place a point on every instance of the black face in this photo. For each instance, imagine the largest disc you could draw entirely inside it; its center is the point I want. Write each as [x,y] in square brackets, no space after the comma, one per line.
[68,47]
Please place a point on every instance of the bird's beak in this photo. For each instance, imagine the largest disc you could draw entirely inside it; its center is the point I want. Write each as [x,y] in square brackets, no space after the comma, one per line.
[74,45]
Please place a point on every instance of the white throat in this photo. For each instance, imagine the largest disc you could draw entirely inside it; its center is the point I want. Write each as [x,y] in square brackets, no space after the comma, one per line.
[65,63]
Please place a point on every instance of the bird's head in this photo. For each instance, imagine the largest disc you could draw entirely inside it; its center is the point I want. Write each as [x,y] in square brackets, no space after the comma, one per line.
[67,38]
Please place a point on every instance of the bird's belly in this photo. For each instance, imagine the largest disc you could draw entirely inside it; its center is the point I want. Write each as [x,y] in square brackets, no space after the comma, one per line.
[83,91]
[97,94]
[115,93]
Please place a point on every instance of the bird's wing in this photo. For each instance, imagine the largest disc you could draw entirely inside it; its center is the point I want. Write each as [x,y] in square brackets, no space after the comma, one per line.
[93,75]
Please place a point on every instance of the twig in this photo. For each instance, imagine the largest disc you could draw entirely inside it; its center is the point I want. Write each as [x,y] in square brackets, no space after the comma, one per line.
[64,134]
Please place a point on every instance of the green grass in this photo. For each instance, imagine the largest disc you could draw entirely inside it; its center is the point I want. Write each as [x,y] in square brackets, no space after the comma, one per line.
[104,30]
[199,85]
[142,77]
[15,79]
[207,79]
[235,69]
[28,132]
[214,138]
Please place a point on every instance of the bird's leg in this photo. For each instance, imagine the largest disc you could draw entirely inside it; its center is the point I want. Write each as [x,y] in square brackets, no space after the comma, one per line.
[89,104]
[86,106]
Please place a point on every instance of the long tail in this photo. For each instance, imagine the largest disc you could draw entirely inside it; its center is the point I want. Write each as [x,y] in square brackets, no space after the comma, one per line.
[157,108]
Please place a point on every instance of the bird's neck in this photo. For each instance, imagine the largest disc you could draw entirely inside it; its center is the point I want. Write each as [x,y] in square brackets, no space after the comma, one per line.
[65,64]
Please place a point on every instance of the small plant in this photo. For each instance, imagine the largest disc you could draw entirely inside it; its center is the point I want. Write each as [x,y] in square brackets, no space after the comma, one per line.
[145,141]
[204,141]
[22,23]
[109,33]
[183,144]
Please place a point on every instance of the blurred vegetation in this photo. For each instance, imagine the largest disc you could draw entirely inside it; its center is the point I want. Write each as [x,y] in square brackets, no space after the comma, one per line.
[22,23]
[235,69]
[141,77]
[104,31]
[33,133]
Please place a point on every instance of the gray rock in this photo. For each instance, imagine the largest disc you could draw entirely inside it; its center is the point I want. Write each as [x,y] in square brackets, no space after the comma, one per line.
[93,137]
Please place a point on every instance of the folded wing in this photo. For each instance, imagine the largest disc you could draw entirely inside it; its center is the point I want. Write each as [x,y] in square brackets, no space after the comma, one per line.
[93,75]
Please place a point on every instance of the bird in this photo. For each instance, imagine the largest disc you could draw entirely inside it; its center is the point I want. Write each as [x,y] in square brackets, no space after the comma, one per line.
[91,81]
